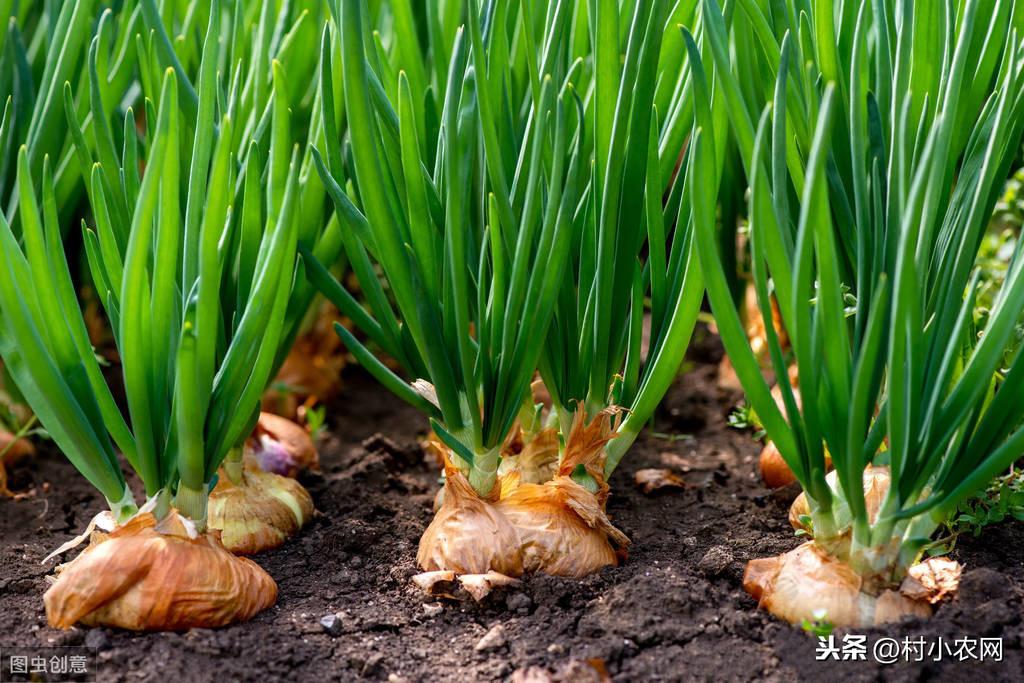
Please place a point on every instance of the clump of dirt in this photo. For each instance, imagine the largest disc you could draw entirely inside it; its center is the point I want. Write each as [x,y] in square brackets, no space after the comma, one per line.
[675,610]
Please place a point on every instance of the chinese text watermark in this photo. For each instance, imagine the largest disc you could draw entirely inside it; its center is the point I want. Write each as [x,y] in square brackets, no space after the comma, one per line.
[50,664]
[852,647]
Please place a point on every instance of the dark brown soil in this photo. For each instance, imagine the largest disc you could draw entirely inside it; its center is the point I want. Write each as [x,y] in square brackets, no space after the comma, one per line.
[674,611]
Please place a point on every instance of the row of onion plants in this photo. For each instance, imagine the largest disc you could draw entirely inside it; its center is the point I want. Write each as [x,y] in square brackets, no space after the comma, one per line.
[533,199]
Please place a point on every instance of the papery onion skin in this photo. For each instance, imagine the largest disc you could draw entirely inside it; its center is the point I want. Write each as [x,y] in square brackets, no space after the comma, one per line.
[283,447]
[807,582]
[562,525]
[562,528]
[149,576]
[260,513]
[468,535]
[557,528]
[479,586]
[756,330]
[537,461]
[653,480]
[774,470]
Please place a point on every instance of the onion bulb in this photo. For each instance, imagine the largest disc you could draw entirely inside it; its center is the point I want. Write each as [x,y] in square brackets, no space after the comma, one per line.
[260,512]
[16,449]
[756,336]
[794,383]
[774,470]
[558,527]
[796,585]
[756,330]
[157,576]
[807,582]
[562,525]
[468,534]
[562,528]
[283,447]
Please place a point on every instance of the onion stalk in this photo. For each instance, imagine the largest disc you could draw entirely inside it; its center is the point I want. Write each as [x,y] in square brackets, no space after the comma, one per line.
[30,75]
[895,151]
[258,38]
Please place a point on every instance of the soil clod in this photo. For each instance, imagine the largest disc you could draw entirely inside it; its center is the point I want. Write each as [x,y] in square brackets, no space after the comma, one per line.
[492,640]
[715,561]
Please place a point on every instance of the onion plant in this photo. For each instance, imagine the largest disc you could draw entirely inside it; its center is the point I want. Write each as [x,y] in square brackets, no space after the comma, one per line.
[503,253]
[873,174]
[254,37]
[41,47]
[471,222]
[198,322]
[264,54]
[251,174]
[180,347]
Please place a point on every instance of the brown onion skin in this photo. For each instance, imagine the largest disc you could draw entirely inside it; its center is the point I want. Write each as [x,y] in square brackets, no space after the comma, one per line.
[250,517]
[562,529]
[774,470]
[468,535]
[537,461]
[150,576]
[558,527]
[794,586]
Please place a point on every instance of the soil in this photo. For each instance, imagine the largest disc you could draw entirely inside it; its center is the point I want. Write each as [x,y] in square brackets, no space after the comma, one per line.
[675,610]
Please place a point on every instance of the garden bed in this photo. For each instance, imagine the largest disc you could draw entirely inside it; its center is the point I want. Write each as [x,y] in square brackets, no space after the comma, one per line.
[675,610]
